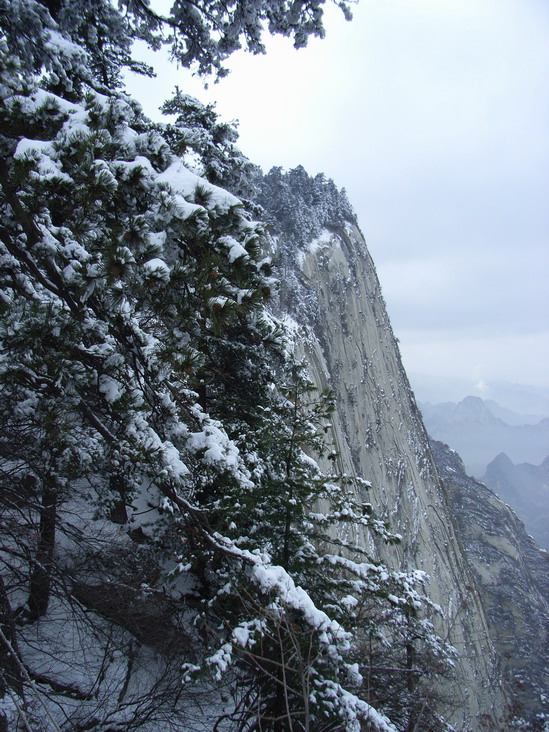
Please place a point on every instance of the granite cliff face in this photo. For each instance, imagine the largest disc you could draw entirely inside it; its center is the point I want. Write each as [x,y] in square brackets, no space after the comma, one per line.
[511,579]
[378,432]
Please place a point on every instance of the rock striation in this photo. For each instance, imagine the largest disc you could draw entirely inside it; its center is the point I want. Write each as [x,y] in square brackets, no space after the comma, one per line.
[379,435]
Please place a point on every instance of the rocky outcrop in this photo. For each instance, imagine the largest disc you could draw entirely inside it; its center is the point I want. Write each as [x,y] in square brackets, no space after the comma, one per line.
[379,435]
[511,581]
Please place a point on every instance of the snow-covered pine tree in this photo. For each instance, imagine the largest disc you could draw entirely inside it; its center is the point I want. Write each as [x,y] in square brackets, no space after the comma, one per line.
[201,34]
[299,206]
[152,431]
[199,130]
[299,517]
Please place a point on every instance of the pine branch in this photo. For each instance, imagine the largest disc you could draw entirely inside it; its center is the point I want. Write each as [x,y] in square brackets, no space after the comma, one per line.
[68,690]
[34,236]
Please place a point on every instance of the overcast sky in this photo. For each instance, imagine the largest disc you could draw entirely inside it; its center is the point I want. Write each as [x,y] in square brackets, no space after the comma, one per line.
[434,115]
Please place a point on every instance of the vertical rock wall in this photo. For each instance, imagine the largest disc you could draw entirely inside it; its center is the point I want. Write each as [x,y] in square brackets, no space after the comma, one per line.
[379,435]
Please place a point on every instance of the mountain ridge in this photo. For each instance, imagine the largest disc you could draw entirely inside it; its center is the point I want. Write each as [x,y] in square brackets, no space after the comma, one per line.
[472,429]
[512,578]
[525,487]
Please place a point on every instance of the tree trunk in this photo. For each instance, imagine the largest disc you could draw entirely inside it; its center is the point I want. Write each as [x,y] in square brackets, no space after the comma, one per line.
[10,672]
[119,513]
[40,583]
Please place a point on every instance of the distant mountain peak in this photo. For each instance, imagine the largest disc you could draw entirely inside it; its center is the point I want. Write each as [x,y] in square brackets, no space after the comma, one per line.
[502,460]
[526,488]
[474,409]
[472,400]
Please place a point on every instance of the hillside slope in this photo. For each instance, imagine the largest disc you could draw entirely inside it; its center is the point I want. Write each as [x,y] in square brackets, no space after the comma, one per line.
[526,488]
[512,582]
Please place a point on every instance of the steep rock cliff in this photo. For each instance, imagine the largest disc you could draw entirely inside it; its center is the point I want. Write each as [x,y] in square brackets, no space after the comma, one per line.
[333,292]
[512,582]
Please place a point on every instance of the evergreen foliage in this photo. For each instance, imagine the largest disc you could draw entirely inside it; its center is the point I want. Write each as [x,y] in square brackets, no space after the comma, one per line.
[300,206]
[198,130]
[299,209]
[161,504]
[200,34]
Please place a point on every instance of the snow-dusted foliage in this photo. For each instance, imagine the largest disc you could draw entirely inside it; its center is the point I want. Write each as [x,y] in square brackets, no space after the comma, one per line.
[201,34]
[209,143]
[162,520]
[301,206]
[302,211]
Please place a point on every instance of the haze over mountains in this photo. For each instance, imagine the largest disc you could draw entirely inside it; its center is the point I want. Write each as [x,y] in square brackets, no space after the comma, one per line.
[525,400]
[480,430]
[525,487]
[509,452]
